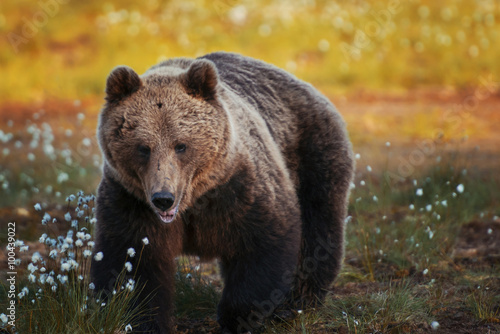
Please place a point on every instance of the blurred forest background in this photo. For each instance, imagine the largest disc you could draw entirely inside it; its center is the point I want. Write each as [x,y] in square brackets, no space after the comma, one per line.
[418,83]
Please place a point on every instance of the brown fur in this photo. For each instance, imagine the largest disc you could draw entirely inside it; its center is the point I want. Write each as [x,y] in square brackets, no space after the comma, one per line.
[262,184]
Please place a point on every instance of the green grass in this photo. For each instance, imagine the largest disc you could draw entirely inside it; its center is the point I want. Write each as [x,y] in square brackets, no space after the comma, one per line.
[398,278]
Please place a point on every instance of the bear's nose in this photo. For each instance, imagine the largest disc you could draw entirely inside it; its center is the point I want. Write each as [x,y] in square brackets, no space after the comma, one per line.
[163,200]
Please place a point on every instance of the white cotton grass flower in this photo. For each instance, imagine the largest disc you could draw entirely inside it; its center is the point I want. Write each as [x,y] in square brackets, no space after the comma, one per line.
[32,278]
[67,216]
[145,241]
[38,207]
[32,268]
[425,272]
[49,280]
[78,243]
[91,286]
[53,254]
[87,253]
[46,218]
[98,256]
[128,328]
[128,266]
[375,198]
[460,188]
[419,192]
[434,325]
[91,244]
[36,257]
[428,207]
[131,252]
[357,156]
[411,207]
[369,168]
[4,318]
[130,284]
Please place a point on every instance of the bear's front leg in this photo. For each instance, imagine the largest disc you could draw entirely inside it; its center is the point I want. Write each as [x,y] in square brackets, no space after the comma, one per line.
[254,286]
[126,226]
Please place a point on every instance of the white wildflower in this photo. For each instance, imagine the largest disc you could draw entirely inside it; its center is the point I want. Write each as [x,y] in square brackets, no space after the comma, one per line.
[131,252]
[460,188]
[128,328]
[36,257]
[32,268]
[87,253]
[98,256]
[145,240]
[434,325]
[53,254]
[128,266]
[38,207]
[91,286]
[419,192]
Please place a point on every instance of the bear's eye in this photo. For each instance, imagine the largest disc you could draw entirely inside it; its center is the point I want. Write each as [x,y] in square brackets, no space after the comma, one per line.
[144,150]
[180,148]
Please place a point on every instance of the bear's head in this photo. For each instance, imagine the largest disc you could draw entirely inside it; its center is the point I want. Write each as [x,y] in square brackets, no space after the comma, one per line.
[163,134]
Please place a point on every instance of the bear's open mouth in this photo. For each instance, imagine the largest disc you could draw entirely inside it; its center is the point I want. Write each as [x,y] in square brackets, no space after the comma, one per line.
[168,216]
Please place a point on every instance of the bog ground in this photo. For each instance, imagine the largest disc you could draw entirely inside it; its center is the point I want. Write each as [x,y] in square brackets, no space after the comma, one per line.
[422,236]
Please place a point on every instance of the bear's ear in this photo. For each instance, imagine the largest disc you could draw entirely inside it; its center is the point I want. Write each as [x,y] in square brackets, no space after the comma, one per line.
[201,79]
[122,82]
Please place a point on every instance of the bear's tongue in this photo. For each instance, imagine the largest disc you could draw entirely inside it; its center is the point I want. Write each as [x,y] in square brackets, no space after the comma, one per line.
[168,216]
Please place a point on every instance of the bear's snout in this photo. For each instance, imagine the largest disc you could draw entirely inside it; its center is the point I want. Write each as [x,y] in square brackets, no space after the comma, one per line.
[163,200]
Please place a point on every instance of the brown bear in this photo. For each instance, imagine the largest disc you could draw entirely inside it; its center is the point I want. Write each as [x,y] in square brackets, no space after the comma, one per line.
[223,157]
